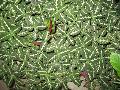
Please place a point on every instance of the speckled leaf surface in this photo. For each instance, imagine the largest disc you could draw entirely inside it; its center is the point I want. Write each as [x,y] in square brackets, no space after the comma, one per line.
[87,31]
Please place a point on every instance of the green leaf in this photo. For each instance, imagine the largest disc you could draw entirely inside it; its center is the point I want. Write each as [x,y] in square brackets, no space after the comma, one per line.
[115,62]
[47,22]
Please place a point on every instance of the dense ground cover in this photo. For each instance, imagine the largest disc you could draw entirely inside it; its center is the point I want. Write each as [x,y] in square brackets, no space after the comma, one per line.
[86,32]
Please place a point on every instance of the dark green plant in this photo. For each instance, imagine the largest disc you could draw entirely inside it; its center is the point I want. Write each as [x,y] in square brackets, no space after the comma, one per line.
[87,31]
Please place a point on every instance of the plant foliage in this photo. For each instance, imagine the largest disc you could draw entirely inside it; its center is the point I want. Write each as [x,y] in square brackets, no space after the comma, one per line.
[87,31]
[115,62]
